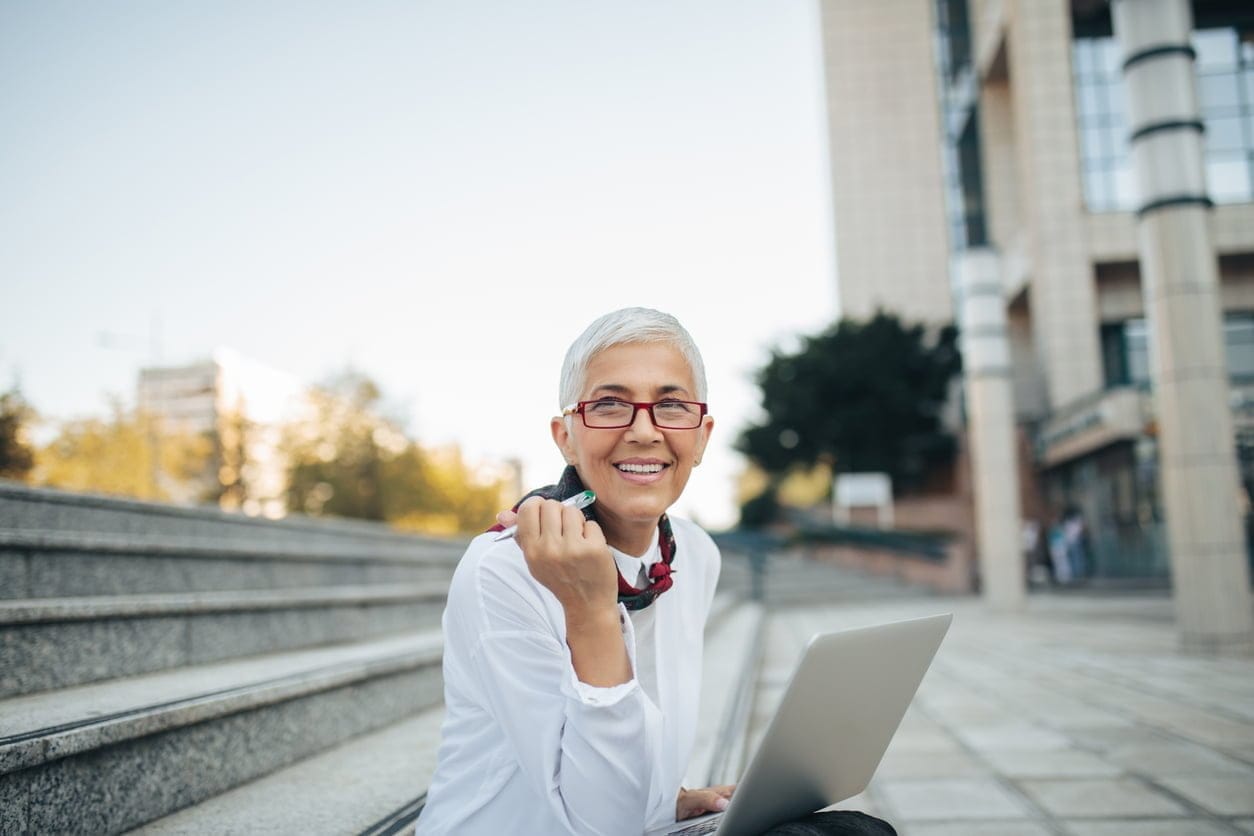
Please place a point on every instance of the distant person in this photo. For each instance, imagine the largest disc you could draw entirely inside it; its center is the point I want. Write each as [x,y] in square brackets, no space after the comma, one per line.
[1076,536]
[1035,568]
[1058,556]
[573,657]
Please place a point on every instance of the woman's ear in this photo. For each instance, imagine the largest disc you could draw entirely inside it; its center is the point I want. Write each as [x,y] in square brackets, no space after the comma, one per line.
[707,425]
[563,438]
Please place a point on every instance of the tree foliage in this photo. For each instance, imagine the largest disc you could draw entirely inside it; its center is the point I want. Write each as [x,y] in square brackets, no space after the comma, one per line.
[860,396]
[347,460]
[16,456]
[126,454]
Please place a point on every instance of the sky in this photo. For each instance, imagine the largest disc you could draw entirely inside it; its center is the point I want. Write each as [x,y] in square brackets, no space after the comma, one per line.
[441,195]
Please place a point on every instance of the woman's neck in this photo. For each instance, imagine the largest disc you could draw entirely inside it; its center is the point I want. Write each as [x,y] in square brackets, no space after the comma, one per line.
[628,536]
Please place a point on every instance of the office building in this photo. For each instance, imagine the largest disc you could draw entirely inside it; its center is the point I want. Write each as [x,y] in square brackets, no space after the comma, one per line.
[1000,127]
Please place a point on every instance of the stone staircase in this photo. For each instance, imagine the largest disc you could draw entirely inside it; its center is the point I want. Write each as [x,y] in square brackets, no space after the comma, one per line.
[154,657]
[172,670]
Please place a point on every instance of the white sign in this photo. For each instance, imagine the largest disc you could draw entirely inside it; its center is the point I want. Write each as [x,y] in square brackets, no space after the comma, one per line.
[863,490]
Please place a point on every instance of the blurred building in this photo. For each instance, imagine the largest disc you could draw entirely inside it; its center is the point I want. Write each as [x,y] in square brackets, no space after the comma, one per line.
[998,126]
[241,406]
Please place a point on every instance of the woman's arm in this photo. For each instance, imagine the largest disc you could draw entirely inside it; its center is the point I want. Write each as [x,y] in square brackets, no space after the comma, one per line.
[579,726]
[588,752]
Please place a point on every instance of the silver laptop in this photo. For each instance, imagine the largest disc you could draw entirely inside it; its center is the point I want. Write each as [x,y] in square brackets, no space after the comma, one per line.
[840,710]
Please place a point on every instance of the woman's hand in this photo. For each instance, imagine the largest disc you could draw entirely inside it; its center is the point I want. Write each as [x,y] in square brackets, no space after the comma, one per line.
[568,555]
[693,803]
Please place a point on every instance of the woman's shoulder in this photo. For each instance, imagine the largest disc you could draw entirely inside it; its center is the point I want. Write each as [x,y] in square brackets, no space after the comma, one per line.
[492,577]
[688,530]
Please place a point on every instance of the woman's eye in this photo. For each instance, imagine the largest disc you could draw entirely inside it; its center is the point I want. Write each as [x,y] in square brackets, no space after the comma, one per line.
[605,407]
[674,407]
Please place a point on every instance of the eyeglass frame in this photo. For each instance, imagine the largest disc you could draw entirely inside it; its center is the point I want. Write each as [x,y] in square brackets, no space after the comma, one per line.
[579,407]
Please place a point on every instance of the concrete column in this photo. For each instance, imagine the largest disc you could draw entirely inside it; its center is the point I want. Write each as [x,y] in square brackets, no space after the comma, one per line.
[991,429]
[1063,288]
[1180,283]
[888,191]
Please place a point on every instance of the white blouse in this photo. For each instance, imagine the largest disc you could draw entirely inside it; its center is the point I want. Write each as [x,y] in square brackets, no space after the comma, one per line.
[528,748]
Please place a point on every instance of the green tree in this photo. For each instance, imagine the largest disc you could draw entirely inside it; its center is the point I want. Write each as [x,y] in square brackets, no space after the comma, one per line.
[859,396]
[16,456]
[336,456]
[346,459]
[123,454]
[230,441]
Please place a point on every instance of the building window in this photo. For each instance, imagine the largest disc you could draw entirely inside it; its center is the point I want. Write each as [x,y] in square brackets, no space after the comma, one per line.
[971,184]
[1225,80]
[1239,345]
[1126,350]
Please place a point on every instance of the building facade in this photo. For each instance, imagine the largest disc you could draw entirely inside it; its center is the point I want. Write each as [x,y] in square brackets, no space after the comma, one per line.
[241,407]
[998,127]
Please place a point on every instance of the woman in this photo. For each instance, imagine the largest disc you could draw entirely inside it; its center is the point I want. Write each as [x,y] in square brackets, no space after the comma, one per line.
[572,656]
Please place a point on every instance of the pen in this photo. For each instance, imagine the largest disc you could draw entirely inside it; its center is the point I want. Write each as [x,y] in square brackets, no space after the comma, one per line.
[580,500]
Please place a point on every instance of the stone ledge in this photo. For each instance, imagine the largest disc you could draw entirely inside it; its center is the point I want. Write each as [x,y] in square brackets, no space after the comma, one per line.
[44,610]
[41,728]
[38,516]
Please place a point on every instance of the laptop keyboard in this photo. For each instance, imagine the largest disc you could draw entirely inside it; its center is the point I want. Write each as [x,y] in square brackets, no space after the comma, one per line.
[707,826]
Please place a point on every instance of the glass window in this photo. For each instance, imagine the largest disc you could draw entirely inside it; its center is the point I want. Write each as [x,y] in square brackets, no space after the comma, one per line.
[1110,61]
[1093,143]
[1239,345]
[1216,48]
[1114,99]
[1125,193]
[1098,191]
[1224,133]
[1117,140]
[1114,360]
[1082,55]
[1228,177]
[1219,92]
[1136,344]
[1126,349]
[1225,68]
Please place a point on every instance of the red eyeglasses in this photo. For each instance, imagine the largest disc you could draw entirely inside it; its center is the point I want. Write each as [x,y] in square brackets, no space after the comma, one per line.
[613,414]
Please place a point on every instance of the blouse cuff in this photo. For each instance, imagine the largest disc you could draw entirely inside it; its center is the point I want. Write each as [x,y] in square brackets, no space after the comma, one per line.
[594,695]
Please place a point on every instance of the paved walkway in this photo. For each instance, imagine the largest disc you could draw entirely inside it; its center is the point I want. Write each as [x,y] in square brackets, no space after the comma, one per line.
[1079,716]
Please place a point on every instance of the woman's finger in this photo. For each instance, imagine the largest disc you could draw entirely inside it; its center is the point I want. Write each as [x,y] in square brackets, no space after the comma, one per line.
[551,519]
[712,801]
[572,521]
[528,520]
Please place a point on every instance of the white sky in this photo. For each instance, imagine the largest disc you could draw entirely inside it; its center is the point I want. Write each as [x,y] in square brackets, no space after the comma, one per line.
[441,194]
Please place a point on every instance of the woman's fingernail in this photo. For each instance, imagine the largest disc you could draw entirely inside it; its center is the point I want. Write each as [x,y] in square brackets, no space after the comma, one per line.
[720,804]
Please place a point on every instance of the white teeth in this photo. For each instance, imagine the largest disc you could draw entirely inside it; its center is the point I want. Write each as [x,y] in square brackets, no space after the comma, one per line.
[640,468]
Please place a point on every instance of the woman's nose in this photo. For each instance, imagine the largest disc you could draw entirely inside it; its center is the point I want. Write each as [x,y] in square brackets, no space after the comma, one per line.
[642,424]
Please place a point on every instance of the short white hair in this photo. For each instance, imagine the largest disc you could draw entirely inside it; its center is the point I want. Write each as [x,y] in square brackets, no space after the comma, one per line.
[628,325]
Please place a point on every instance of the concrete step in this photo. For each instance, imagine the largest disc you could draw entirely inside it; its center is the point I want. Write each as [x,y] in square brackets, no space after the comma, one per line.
[68,565]
[55,545]
[59,642]
[348,789]
[111,756]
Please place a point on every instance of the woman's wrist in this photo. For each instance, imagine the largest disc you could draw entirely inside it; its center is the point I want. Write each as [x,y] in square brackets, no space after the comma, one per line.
[597,650]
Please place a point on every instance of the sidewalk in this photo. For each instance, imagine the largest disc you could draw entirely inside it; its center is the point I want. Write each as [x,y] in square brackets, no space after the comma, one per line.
[1079,716]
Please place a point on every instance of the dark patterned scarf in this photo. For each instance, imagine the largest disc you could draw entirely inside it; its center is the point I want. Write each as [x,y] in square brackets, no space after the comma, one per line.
[659,573]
